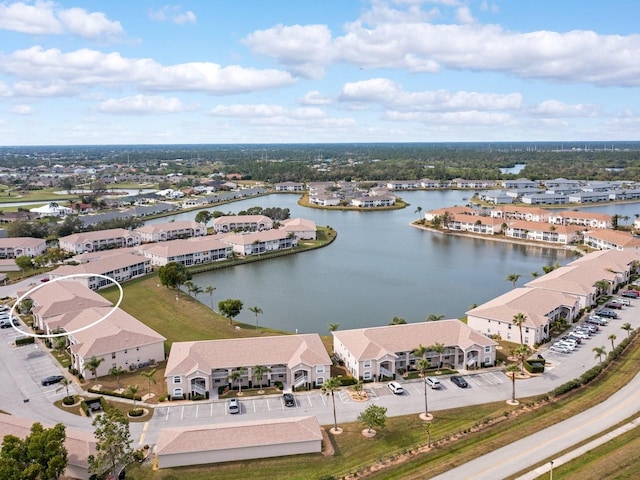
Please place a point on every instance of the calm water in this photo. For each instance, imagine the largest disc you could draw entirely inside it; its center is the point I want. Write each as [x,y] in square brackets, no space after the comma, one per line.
[378,267]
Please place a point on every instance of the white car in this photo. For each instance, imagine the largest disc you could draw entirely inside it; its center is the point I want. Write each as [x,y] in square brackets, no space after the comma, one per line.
[580,334]
[396,388]
[556,347]
[621,301]
[433,382]
[570,345]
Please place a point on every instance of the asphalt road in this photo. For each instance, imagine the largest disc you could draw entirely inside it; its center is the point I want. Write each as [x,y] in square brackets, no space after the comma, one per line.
[540,446]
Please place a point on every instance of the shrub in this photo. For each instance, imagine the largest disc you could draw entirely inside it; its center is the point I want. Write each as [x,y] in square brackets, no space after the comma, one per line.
[70,400]
[24,341]
[138,455]
[344,381]
[136,412]
[279,385]
[590,374]
[161,399]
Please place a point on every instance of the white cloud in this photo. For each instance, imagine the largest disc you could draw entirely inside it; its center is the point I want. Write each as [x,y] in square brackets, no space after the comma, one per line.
[173,14]
[45,17]
[463,15]
[473,118]
[314,97]
[556,108]
[88,68]
[391,95]
[305,50]
[23,110]
[90,25]
[145,105]
[419,46]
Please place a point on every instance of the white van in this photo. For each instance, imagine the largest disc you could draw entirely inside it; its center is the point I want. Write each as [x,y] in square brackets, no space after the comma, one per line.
[433,382]
[396,388]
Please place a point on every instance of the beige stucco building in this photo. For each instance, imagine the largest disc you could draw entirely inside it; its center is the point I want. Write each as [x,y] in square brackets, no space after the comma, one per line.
[383,352]
[199,368]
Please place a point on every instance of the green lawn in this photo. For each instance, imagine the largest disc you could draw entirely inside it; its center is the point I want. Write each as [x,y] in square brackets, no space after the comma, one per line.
[175,315]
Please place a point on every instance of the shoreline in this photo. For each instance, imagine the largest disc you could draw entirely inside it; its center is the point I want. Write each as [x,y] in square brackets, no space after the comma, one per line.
[493,238]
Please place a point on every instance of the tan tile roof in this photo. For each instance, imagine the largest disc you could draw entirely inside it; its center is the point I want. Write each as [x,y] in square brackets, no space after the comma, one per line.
[117,332]
[375,342]
[297,224]
[241,219]
[584,215]
[249,238]
[170,226]
[543,226]
[79,444]
[617,260]
[576,279]
[533,302]
[103,265]
[173,248]
[26,242]
[237,435]
[97,235]
[291,350]
[452,210]
[464,218]
[615,237]
[65,296]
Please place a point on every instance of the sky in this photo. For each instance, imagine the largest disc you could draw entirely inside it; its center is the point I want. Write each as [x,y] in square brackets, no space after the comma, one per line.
[318,71]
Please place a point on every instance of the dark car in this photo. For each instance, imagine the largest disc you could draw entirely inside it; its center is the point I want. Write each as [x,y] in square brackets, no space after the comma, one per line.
[51,380]
[459,381]
[288,400]
[617,306]
[630,294]
[607,313]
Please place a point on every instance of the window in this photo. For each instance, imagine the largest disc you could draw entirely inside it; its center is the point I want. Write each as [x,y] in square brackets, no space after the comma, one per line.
[319,381]
[177,379]
[320,369]
[366,376]
[113,355]
[367,364]
[487,349]
[177,392]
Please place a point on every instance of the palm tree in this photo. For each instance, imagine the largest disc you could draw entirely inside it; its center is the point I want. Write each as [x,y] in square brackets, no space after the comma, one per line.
[132,390]
[439,349]
[434,318]
[420,351]
[116,372]
[535,274]
[258,372]
[519,320]
[190,286]
[92,365]
[150,376]
[522,352]
[237,377]
[602,286]
[398,321]
[599,351]
[422,366]
[418,211]
[328,388]
[512,369]
[65,382]
[627,327]
[209,289]
[257,311]
[333,327]
[197,290]
[513,278]
[612,337]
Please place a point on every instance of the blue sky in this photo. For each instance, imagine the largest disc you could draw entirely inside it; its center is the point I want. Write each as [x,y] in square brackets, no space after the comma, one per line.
[284,71]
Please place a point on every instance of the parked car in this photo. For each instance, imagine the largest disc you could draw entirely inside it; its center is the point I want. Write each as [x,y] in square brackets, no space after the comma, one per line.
[51,380]
[288,400]
[556,347]
[630,293]
[596,320]
[575,336]
[459,381]
[233,406]
[621,301]
[396,388]
[607,313]
[5,323]
[614,305]
[433,382]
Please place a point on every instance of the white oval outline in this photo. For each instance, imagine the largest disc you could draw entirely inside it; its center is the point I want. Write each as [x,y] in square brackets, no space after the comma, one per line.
[65,277]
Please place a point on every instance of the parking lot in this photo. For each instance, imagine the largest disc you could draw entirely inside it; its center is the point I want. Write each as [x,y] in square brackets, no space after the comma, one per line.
[38,363]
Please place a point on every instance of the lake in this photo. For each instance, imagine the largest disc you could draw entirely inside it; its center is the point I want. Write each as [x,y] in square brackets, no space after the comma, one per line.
[378,267]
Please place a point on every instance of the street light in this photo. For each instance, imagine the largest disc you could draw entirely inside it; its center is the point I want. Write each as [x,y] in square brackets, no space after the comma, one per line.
[551,470]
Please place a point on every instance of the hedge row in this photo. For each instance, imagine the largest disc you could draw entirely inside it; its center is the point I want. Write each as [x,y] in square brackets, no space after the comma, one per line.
[24,341]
